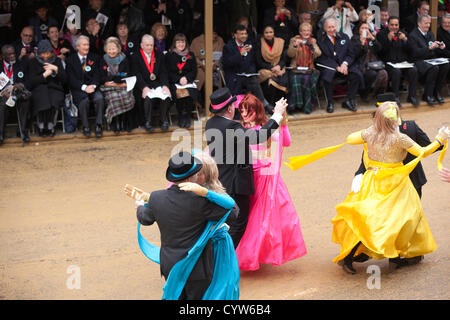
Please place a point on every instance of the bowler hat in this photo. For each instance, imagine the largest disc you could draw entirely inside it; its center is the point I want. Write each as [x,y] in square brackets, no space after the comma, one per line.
[220,99]
[182,166]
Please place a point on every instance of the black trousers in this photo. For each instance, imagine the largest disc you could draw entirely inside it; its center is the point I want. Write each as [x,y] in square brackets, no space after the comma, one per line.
[238,226]
[151,104]
[83,108]
[194,289]
[395,75]
[434,79]
[252,85]
[23,107]
[353,86]
[185,106]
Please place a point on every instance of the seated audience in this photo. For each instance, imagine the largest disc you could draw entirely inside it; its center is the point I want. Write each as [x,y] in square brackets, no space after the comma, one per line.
[61,47]
[443,34]
[283,19]
[149,67]
[182,70]
[411,21]
[18,77]
[239,65]
[338,59]
[366,48]
[395,49]
[159,33]
[25,47]
[270,63]
[423,47]
[303,49]
[41,21]
[97,11]
[344,14]
[119,101]
[83,68]
[96,42]
[129,44]
[47,79]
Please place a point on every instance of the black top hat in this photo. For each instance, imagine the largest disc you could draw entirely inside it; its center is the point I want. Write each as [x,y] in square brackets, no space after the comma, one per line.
[383,97]
[182,166]
[220,99]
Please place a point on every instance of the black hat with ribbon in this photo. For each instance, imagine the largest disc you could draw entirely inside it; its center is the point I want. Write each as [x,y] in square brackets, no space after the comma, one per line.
[220,99]
[182,166]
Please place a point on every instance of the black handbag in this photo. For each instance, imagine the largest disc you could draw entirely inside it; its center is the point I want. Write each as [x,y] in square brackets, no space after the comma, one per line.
[375,65]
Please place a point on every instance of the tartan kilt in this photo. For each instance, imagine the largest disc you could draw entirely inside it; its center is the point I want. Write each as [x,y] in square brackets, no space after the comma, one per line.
[301,84]
[118,101]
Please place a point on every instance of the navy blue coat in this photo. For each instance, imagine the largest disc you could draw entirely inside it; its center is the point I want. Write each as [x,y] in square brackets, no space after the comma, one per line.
[233,62]
[344,52]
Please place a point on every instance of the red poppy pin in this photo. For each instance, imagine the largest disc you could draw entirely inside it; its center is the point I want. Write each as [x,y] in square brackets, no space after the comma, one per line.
[90,62]
[105,67]
[404,126]
[61,42]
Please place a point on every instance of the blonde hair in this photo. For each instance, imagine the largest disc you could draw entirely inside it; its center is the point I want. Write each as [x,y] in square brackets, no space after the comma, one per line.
[211,173]
[385,121]
[305,25]
[114,41]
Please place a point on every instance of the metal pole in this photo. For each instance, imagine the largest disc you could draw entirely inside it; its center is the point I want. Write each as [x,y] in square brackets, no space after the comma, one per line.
[208,52]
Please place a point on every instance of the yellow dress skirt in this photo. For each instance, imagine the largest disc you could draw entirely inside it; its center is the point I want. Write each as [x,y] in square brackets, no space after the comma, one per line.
[386,215]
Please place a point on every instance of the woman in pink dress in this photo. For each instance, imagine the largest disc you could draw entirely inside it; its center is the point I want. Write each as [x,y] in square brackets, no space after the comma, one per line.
[273,233]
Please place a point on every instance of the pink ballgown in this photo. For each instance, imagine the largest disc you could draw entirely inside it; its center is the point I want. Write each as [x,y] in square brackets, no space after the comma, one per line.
[273,234]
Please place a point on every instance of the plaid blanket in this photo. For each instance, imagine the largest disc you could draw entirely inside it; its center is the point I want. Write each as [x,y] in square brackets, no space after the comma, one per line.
[302,87]
[118,101]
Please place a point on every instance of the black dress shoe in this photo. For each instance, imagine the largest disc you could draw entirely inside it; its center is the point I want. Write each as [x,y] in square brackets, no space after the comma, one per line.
[362,257]
[429,100]
[439,98]
[347,104]
[413,100]
[1,138]
[52,132]
[187,121]
[98,131]
[164,126]
[148,127]
[397,99]
[25,137]
[41,132]
[87,132]
[348,267]
[330,108]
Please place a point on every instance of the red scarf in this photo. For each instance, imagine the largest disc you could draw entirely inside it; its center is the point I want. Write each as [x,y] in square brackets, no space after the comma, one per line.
[152,63]
[181,65]
[9,74]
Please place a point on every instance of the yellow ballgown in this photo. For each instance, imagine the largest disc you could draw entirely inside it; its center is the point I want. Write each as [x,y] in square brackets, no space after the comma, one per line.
[386,215]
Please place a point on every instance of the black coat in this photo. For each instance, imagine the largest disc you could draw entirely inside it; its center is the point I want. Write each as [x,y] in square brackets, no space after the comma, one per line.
[393,50]
[20,73]
[181,217]
[444,36]
[412,130]
[419,49]
[344,52]
[139,69]
[78,77]
[235,166]
[284,29]
[233,62]
[124,71]
[189,71]
[47,92]
[361,51]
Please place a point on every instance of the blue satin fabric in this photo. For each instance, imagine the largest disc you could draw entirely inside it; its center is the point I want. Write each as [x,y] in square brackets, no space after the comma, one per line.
[225,282]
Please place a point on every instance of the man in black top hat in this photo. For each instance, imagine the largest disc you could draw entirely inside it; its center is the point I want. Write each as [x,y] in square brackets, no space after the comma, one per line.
[229,144]
[182,217]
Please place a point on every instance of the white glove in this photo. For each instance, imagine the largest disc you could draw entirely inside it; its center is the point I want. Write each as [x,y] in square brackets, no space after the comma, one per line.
[443,134]
[356,183]
[139,203]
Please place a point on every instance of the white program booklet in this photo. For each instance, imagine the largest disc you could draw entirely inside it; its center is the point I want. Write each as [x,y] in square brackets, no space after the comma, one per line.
[401,65]
[186,86]
[158,93]
[437,61]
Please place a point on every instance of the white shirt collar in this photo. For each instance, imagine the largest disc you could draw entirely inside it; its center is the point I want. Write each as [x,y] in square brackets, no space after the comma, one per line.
[81,57]
[423,33]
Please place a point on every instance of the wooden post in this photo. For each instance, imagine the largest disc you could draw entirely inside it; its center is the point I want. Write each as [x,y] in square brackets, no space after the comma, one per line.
[433,14]
[208,53]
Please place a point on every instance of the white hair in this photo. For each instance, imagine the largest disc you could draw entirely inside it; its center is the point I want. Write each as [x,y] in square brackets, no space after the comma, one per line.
[77,43]
[147,37]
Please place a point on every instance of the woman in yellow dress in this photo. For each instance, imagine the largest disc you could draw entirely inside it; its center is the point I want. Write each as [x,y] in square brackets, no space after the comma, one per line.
[385,218]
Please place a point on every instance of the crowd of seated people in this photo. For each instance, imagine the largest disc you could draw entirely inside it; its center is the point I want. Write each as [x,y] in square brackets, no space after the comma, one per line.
[58,62]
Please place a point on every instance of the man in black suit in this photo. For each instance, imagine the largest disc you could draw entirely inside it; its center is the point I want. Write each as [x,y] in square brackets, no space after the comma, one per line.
[16,72]
[338,57]
[25,47]
[84,74]
[411,21]
[423,46]
[149,67]
[395,49]
[229,144]
[182,217]
[443,34]
[239,58]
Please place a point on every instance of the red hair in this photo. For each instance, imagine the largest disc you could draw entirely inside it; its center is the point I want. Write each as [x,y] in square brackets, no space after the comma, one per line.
[252,103]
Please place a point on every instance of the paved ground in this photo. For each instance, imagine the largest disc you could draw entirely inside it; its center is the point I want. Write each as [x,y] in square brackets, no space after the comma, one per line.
[62,205]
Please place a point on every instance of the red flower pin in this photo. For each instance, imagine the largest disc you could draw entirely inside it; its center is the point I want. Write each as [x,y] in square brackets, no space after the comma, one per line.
[90,62]
[104,67]
[404,126]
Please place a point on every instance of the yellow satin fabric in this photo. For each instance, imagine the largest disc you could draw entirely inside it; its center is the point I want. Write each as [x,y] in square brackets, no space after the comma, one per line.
[386,215]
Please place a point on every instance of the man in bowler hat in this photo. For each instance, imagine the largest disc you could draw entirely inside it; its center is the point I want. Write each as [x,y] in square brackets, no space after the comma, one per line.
[182,217]
[229,144]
